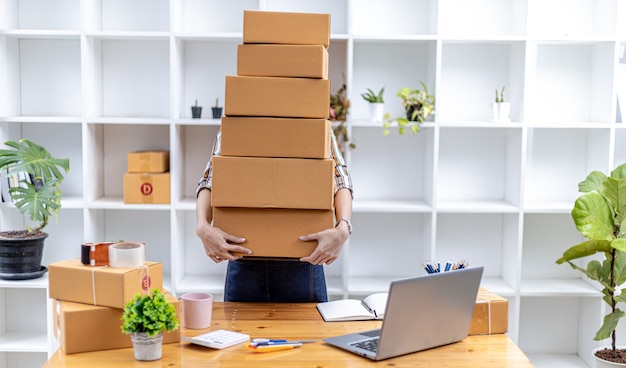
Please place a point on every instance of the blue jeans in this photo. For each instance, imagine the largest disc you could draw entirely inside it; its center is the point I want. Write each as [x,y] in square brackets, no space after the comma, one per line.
[262,280]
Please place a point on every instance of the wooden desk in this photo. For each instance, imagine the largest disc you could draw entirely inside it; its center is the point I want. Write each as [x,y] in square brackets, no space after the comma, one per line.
[297,321]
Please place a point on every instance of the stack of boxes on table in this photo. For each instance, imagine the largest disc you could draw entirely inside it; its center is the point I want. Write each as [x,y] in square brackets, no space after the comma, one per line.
[88,302]
[148,178]
[274,178]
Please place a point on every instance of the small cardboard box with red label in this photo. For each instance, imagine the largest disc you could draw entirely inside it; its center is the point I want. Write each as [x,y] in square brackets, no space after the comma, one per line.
[70,280]
[147,188]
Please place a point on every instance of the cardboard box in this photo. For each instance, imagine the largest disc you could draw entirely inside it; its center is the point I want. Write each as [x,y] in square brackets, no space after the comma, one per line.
[151,188]
[286,28]
[82,327]
[277,97]
[272,232]
[263,60]
[72,281]
[272,183]
[148,161]
[491,314]
[276,137]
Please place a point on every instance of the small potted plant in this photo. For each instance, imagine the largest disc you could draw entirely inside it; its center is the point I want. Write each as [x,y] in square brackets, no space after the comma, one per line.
[36,195]
[418,106]
[196,111]
[338,114]
[376,104]
[217,109]
[145,318]
[500,109]
[598,214]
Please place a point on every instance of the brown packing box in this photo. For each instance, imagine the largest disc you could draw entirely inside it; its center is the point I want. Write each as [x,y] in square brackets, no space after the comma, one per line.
[271,232]
[72,281]
[276,137]
[82,327]
[151,188]
[277,97]
[286,28]
[261,60]
[491,314]
[272,182]
[148,161]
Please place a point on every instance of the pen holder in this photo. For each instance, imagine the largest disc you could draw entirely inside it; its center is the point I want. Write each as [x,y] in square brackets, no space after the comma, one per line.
[197,310]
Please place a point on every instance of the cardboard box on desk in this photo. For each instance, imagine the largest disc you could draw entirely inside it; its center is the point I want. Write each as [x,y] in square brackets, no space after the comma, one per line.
[298,61]
[148,161]
[274,232]
[147,188]
[82,327]
[277,97]
[272,182]
[491,314]
[276,137]
[70,280]
[286,28]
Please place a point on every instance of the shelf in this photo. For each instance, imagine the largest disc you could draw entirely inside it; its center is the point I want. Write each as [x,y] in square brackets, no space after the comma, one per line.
[554,360]
[558,287]
[24,342]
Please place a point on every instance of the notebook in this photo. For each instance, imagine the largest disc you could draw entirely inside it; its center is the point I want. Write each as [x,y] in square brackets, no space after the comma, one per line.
[422,312]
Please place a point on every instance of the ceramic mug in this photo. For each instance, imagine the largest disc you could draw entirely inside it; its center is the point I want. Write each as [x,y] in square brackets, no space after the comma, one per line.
[197,309]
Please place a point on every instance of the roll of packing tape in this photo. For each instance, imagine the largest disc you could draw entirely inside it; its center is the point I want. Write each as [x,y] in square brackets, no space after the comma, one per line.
[127,255]
[95,254]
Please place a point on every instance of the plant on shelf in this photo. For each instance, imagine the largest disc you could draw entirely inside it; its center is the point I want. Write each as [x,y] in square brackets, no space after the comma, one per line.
[35,178]
[500,109]
[599,214]
[196,111]
[376,103]
[338,113]
[145,318]
[418,105]
[217,109]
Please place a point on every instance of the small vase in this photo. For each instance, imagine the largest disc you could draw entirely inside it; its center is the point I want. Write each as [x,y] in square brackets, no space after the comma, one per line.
[147,348]
[501,111]
[217,112]
[377,111]
[196,112]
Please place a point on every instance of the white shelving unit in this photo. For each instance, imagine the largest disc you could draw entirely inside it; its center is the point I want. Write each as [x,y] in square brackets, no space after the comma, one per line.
[95,79]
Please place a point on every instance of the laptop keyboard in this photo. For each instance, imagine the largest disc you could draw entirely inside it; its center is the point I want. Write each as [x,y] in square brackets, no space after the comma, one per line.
[369,344]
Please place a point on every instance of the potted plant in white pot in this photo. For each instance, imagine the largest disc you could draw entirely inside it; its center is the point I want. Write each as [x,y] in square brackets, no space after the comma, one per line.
[145,318]
[37,196]
[599,214]
[376,104]
[418,106]
[500,109]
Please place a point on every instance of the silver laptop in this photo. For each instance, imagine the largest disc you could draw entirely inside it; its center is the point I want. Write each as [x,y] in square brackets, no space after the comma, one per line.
[422,312]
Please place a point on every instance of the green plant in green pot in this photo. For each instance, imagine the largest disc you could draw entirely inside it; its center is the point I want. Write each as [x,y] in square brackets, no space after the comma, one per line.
[34,179]
[600,216]
[145,318]
[418,106]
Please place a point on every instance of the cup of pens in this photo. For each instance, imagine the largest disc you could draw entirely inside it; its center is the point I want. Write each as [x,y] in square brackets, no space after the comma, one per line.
[436,267]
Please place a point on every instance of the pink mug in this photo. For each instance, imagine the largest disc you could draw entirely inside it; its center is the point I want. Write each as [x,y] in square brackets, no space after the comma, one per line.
[197,309]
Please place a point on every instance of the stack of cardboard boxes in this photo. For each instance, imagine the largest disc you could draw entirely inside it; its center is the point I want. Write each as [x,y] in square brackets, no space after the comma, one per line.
[274,180]
[148,178]
[88,303]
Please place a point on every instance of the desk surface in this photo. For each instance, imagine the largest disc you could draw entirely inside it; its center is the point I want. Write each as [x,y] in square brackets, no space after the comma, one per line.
[297,321]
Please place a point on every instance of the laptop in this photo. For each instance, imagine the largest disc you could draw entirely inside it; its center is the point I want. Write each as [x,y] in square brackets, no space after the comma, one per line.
[422,312]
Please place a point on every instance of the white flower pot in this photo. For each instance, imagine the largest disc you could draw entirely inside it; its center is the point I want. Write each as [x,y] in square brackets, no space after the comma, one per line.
[147,348]
[501,111]
[601,363]
[377,111]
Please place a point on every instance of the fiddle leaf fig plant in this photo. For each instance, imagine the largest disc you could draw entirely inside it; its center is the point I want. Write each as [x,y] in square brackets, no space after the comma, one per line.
[600,216]
[40,197]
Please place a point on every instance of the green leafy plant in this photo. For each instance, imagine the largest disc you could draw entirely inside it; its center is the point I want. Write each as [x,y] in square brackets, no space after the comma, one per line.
[500,95]
[418,105]
[372,97]
[600,216]
[338,112]
[151,313]
[40,197]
